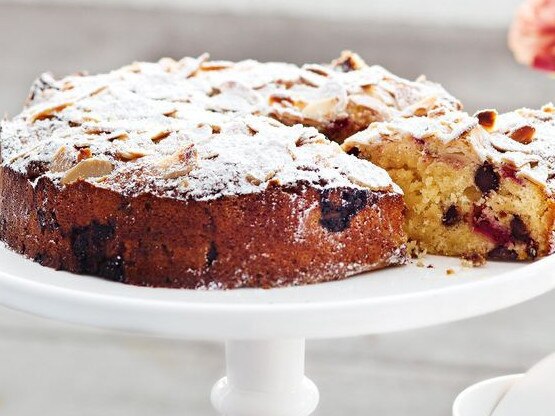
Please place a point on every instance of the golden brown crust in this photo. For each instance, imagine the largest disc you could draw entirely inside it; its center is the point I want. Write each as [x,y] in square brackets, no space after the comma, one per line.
[282,236]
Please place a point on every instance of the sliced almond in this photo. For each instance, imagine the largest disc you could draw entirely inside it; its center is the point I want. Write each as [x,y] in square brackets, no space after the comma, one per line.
[62,160]
[281,99]
[99,90]
[309,138]
[179,163]
[318,69]
[131,154]
[312,79]
[422,107]
[135,67]
[48,112]
[158,137]
[321,109]
[215,65]
[88,168]
[67,86]
[84,153]
[349,61]
[253,179]
[171,113]
[487,119]
[524,134]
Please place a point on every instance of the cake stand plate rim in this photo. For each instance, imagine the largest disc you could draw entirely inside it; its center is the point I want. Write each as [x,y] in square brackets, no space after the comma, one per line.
[374,302]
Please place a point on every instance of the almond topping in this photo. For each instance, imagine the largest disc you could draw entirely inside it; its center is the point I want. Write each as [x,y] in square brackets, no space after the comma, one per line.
[130,154]
[524,134]
[62,160]
[179,164]
[49,112]
[88,168]
[84,153]
[171,113]
[281,99]
[349,61]
[158,137]
[99,90]
[253,179]
[486,119]
[321,109]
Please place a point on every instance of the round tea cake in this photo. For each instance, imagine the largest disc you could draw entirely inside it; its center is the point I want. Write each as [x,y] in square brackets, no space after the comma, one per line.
[198,174]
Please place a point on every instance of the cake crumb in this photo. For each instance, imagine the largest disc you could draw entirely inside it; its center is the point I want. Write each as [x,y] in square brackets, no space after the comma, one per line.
[450,271]
[416,251]
[473,260]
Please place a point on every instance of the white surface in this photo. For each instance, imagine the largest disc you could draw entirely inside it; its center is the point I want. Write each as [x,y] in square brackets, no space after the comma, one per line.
[393,299]
[533,394]
[482,398]
[492,13]
[265,378]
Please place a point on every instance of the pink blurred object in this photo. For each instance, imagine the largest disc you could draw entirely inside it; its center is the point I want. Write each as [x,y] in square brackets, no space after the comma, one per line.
[532,34]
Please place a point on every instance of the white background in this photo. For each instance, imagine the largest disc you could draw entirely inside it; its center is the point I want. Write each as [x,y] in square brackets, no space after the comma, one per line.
[483,13]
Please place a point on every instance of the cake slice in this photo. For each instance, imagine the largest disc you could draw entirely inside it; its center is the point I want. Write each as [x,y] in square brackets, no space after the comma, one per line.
[476,186]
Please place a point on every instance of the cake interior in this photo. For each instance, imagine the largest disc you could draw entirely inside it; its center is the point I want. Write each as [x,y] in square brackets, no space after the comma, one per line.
[458,205]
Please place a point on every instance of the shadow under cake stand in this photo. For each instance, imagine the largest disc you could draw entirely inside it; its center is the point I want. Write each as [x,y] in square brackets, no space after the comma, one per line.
[265,330]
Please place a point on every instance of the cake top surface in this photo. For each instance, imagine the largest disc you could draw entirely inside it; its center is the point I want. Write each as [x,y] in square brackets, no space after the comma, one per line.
[202,129]
[523,139]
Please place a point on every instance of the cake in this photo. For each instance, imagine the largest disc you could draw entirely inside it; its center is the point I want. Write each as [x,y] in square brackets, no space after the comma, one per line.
[205,174]
[480,187]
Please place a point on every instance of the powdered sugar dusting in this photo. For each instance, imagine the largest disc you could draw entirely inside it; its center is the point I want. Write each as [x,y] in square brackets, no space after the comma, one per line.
[533,158]
[201,129]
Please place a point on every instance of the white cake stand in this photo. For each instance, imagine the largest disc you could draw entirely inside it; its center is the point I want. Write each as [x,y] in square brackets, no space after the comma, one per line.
[265,330]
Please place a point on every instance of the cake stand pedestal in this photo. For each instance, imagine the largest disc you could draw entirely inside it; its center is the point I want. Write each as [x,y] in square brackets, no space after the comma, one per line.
[265,378]
[265,330]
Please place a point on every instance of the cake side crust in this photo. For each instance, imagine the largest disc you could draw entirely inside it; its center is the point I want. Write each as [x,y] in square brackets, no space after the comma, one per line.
[282,236]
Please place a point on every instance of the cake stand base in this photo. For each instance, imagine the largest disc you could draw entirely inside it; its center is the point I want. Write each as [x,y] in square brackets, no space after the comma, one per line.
[266,329]
[265,378]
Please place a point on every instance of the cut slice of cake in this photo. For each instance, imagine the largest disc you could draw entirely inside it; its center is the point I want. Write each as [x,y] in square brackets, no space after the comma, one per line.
[476,186]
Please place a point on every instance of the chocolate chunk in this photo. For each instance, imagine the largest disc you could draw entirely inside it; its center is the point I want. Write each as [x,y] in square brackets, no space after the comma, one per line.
[451,216]
[502,253]
[486,178]
[90,247]
[40,258]
[355,151]
[113,269]
[212,254]
[338,209]
[519,231]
